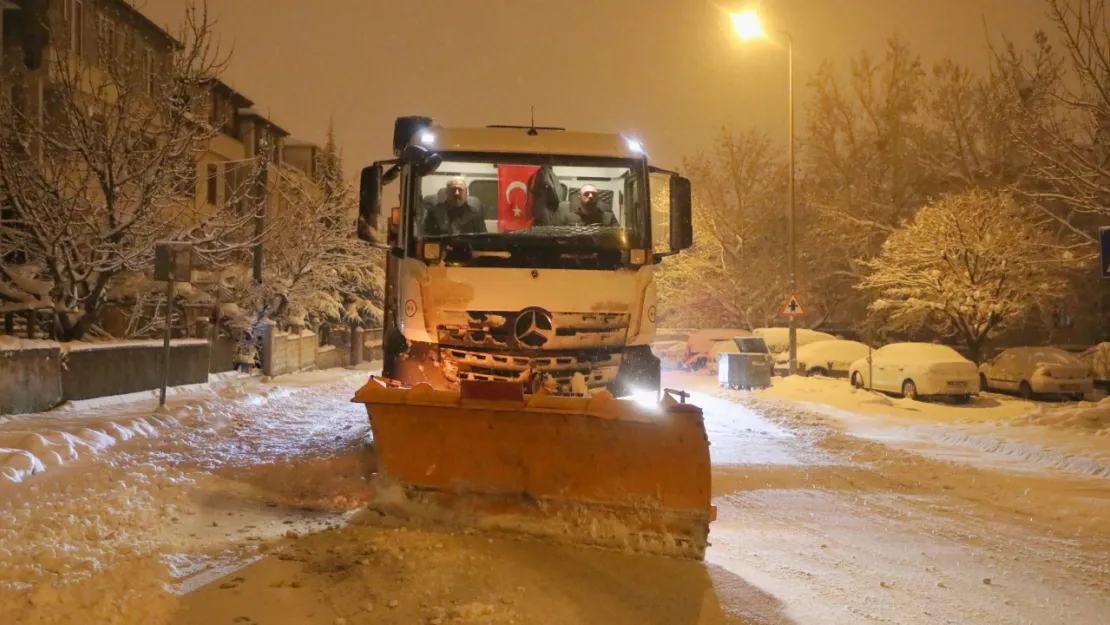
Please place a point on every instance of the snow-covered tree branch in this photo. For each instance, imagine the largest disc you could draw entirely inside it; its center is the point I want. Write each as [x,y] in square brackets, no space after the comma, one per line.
[736,272]
[966,265]
[317,270]
[105,165]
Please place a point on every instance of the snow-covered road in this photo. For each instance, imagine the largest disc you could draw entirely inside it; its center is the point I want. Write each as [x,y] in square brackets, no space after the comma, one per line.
[233,507]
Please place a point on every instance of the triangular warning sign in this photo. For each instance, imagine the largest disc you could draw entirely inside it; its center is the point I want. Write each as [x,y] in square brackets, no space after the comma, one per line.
[792,307]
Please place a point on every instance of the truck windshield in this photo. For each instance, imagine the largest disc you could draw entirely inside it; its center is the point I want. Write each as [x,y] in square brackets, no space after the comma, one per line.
[522,198]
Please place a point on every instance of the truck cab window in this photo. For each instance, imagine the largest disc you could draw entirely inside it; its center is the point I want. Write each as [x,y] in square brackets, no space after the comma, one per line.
[529,198]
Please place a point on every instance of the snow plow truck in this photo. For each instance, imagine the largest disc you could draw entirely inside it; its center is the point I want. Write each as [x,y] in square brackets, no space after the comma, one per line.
[519,391]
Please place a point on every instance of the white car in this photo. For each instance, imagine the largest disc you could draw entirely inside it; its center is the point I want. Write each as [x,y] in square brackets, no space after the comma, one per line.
[917,370]
[1033,371]
[1098,359]
[827,358]
[778,339]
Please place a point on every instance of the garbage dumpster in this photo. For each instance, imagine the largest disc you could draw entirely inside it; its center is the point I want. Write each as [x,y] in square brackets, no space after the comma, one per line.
[748,369]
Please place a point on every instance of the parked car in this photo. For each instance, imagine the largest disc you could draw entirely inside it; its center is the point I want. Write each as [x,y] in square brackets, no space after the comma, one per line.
[700,346]
[671,354]
[827,358]
[917,370]
[778,339]
[1033,371]
[1098,359]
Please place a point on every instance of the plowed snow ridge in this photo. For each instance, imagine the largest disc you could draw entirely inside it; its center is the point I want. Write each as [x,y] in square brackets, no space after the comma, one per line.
[1029,453]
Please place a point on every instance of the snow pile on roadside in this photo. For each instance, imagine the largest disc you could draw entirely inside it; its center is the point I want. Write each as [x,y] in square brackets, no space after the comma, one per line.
[27,453]
[1085,416]
[1024,455]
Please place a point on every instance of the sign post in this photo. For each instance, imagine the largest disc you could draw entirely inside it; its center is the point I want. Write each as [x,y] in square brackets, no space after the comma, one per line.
[173,262]
[792,309]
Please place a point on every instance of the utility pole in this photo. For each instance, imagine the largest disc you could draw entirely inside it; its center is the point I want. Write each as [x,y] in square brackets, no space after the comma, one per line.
[790,220]
[261,191]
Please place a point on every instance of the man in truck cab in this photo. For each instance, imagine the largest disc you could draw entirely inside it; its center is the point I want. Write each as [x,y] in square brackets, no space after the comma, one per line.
[589,210]
[454,213]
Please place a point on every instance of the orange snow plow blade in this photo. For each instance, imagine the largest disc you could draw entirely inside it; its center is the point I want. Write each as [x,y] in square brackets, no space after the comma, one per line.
[593,470]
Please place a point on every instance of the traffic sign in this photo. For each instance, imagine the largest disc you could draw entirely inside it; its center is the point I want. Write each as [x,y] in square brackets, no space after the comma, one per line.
[1104,240]
[792,307]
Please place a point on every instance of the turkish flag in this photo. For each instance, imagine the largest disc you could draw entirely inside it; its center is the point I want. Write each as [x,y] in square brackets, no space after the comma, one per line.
[514,202]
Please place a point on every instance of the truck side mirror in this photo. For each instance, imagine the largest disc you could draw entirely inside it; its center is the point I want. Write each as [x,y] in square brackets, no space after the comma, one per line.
[423,162]
[682,219]
[369,202]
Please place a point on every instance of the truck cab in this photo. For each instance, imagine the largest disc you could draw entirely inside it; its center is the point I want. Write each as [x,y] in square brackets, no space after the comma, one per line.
[524,285]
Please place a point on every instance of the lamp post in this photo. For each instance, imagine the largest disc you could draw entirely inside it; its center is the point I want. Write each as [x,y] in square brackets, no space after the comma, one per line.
[748,26]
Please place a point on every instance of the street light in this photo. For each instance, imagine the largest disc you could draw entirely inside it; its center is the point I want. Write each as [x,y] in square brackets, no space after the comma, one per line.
[748,26]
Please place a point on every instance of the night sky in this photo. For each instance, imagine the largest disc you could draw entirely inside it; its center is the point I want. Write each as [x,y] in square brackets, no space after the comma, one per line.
[667,71]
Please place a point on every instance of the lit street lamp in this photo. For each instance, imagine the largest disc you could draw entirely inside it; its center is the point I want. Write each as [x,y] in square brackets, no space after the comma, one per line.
[748,26]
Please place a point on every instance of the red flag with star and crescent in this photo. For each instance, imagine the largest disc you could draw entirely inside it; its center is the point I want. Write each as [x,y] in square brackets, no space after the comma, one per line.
[514,203]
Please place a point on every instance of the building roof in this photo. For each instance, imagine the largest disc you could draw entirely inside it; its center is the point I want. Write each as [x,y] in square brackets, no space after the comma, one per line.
[293,142]
[238,100]
[517,140]
[129,9]
[253,113]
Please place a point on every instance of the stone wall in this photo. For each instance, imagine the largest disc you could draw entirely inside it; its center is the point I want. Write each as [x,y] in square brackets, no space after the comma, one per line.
[99,370]
[283,352]
[330,356]
[30,376]
[39,375]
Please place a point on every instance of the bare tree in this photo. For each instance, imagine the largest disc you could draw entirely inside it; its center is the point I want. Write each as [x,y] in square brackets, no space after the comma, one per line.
[966,265]
[969,125]
[1065,107]
[105,165]
[736,272]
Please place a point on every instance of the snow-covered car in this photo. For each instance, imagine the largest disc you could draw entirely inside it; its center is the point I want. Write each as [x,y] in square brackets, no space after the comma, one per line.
[778,339]
[917,370]
[671,354]
[1098,359]
[827,358]
[701,343]
[1033,371]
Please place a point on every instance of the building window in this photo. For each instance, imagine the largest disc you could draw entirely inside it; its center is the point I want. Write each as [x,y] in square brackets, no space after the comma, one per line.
[231,184]
[107,37]
[213,183]
[150,75]
[75,18]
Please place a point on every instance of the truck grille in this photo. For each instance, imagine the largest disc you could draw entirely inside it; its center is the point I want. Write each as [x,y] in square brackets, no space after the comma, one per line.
[532,329]
[599,368]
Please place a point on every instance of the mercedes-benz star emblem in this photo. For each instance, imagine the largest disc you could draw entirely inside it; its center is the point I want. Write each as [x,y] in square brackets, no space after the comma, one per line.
[533,327]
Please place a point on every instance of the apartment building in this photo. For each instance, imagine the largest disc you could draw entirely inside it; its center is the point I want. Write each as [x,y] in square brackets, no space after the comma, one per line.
[93,33]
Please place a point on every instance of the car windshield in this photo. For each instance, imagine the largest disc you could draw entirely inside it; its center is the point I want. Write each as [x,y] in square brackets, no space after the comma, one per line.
[1055,357]
[531,197]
